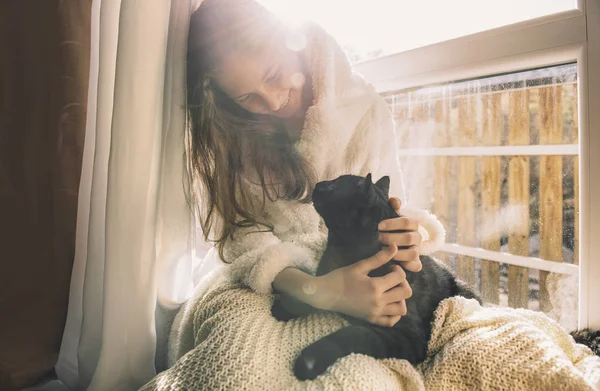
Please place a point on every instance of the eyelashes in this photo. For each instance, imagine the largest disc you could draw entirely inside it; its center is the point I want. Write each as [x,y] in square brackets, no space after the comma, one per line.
[275,76]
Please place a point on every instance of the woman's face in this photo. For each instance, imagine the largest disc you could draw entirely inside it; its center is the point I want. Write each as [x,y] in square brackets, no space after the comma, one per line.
[269,81]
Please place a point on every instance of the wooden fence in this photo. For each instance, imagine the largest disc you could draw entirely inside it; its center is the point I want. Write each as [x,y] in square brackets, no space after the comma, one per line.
[496,160]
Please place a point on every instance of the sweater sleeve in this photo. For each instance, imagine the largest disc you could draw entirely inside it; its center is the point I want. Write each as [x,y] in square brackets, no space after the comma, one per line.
[430,228]
[257,256]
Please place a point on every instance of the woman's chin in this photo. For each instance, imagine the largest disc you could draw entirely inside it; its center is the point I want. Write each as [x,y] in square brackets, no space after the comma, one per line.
[293,109]
[287,112]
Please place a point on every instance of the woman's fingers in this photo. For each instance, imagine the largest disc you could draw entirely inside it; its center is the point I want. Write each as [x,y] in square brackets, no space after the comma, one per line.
[409,259]
[409,254]
[395,309]
[399,223]
[401,239]
[412,266]
[398,293]
[382,257]
[392,302]
[393,282]
[394,277]
[395,203]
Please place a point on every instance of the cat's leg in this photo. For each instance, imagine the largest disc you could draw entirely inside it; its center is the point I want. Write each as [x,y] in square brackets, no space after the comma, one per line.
[407,340]
[317,357]
[410,339]
[286,308]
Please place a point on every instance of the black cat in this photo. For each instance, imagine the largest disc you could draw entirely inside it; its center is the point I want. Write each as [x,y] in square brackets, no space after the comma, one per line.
[352,207]
[589,338]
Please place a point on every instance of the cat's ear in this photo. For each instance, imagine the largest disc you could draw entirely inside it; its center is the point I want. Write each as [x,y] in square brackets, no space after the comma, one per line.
[367,184]
[384,184]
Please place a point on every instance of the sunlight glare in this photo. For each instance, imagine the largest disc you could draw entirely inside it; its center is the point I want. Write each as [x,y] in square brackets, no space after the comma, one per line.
[296,40]
[298,80]
[394,25]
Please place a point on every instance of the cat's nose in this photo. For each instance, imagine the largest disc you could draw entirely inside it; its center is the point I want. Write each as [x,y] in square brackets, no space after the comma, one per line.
[322,187]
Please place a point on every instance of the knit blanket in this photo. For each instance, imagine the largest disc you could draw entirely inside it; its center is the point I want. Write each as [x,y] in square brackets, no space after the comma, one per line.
[240,346]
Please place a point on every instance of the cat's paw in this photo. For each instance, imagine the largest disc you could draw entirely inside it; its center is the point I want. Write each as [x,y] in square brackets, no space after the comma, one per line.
[286,308]
[315,359]
[280,313]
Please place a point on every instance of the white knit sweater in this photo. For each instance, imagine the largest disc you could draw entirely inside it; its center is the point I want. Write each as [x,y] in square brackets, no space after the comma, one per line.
[348,130]
[234,343]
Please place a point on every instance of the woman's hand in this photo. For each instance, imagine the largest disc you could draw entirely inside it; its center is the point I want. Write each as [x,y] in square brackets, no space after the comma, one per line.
[378,300]
[408,242]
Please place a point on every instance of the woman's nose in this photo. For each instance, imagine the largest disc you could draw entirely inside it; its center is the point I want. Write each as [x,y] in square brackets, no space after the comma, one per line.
[274,99]
[272,103]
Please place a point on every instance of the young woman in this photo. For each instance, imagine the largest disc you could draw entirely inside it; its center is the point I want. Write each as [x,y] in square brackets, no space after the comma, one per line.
[272,110]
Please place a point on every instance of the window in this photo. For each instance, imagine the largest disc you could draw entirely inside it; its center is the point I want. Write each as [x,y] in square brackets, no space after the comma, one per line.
[496,159]
[501,125]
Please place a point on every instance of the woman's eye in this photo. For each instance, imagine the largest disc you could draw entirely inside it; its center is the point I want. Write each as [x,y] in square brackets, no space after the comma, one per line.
[275,76]
[243,98]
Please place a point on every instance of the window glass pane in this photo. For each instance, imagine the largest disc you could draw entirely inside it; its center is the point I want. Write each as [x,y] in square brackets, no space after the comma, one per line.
[369,29]
[496,159]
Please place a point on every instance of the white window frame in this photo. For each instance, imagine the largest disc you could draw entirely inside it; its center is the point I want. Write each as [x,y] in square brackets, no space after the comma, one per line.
[568,36]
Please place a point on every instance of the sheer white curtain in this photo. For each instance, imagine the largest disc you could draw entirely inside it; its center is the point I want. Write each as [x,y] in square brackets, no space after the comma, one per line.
[133,247]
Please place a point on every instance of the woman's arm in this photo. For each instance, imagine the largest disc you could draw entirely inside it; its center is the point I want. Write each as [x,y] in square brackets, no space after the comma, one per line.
[298,284]
[350,290]
[256,256]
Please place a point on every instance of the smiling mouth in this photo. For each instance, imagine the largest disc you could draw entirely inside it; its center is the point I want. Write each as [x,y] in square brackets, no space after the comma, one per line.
[285,104]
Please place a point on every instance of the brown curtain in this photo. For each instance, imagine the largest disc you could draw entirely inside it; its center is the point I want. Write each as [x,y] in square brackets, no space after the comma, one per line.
[44,65]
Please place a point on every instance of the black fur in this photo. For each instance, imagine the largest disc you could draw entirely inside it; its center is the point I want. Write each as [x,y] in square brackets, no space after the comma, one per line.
[352,208]
[589,338]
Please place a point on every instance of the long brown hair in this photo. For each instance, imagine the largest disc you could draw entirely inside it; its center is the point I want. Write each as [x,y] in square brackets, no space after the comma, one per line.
[224,141]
